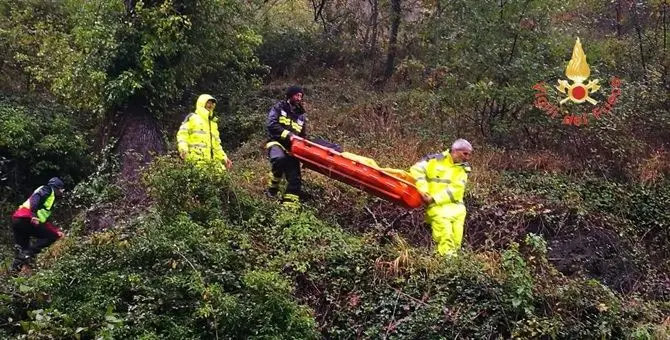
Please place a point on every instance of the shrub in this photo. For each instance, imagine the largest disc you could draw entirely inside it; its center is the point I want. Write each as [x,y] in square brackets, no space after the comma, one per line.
[173,279]
[39,141]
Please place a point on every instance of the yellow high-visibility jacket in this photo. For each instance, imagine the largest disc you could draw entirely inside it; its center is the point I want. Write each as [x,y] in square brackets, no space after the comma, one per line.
[444,180]
[198,135]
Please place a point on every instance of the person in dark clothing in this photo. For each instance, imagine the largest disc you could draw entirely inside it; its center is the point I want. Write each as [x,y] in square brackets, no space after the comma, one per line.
[31,220]
[286,119]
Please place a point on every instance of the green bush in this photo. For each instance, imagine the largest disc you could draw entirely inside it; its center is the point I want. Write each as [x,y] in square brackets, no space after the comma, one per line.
[179,187]
[287,50]
[202,192]
[39,141]
[201,266]
[172,279]
[644,207]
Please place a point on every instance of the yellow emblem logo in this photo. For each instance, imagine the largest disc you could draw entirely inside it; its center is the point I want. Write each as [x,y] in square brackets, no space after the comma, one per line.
[578,71]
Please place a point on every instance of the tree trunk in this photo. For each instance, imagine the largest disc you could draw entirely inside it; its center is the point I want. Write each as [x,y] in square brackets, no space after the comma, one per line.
[374,23]
[139,140]
[619,18]
[640,40]
[393,38]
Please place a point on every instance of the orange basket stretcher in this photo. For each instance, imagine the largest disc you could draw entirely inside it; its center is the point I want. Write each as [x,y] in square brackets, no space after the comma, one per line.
[355,173]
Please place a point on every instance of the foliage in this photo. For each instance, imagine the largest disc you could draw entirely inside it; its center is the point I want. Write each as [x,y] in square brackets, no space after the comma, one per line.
[104,55]
[100,185]
[644,206]
[289,37]
[200,264]
[198,193]
[39,141]
[204,256]
[175,277]
[492,53]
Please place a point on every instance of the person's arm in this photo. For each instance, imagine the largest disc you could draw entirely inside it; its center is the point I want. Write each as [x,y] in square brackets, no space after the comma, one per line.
[303,132]
[218,148]
[182,137]
[418,172]
[54,229]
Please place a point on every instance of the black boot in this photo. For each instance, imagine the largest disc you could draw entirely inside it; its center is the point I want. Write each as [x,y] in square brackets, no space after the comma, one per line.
[271,192]
[21,258]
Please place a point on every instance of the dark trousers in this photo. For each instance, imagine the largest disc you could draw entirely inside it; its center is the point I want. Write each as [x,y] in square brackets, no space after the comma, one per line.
[24,230]
[286,166]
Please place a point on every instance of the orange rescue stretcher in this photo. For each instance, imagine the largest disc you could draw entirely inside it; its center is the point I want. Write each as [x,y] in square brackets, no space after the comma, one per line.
[394,185]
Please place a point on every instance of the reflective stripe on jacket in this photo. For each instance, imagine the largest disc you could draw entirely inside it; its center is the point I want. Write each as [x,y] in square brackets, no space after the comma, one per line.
[198,135]
[444,180]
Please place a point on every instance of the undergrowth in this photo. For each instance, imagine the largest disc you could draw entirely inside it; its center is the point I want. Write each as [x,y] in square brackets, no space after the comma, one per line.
[210,260]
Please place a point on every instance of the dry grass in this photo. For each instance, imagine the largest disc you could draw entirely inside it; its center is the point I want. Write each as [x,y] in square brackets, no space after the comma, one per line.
[54,252]
[492,264]
[408,260]
[654,168]
[663,330]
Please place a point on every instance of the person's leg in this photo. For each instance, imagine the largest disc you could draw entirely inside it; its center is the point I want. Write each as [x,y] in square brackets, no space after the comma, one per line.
[457,230]
[45,235]
[291,198]
[21,228]
[442,231]
[277,158]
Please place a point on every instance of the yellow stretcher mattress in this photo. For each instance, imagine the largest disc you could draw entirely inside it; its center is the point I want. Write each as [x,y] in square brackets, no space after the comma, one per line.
[402,174]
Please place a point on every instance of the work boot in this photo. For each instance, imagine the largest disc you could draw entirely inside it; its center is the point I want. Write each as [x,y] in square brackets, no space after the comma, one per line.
[16,266]
[271,193]
[21,258]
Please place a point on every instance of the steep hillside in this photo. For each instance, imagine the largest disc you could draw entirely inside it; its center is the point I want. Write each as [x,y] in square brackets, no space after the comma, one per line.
[551,250]
[567,104]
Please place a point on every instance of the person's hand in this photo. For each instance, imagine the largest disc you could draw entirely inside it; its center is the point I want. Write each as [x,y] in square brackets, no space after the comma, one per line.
[229,163]
[34,220]
[60,234]
[428,199]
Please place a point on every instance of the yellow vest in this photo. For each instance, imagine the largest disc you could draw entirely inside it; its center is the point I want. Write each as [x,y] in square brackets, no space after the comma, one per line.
[44,213]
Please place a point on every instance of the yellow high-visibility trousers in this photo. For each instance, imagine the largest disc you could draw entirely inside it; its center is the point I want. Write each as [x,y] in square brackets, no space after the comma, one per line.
[447,230]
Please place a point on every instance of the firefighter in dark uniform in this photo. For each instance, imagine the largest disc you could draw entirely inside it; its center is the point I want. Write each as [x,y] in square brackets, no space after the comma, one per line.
[285,119]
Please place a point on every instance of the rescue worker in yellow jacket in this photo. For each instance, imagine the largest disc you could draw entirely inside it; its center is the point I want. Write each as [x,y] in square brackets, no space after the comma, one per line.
[441,178]
[198,137]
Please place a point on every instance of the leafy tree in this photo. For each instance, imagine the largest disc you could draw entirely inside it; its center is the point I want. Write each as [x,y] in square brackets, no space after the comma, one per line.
[494,52]
[128,61]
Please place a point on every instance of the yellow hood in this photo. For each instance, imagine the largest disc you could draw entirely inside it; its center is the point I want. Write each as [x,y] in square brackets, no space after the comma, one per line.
[200,105]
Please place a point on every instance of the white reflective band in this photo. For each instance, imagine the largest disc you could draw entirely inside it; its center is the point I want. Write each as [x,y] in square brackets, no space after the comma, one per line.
[451,196]
[439,180]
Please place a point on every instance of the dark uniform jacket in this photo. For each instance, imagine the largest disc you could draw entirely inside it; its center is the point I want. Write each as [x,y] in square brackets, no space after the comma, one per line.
[284,121]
